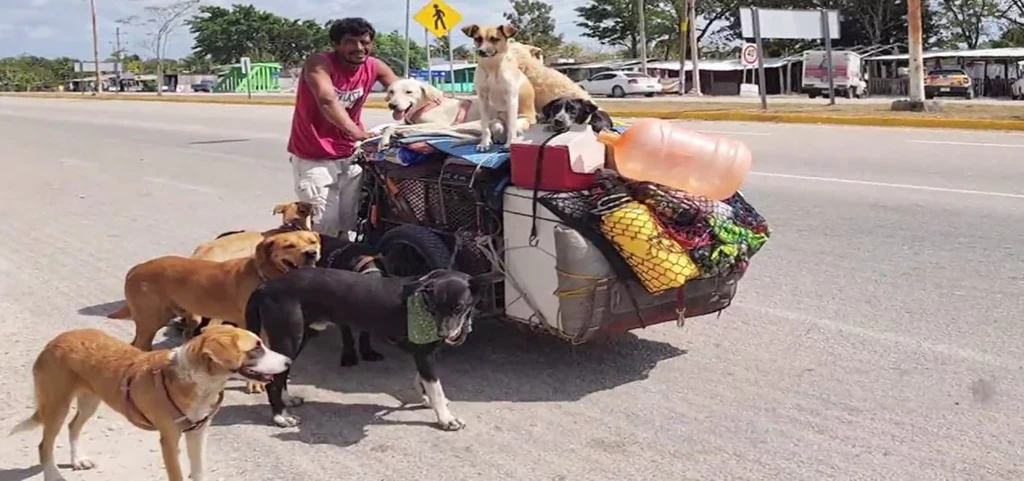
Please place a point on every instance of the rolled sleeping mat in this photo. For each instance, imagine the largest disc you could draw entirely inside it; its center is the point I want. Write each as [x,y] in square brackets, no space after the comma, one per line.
[580,268]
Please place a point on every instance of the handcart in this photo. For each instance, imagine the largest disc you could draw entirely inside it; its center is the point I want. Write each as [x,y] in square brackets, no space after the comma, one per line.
[445,210]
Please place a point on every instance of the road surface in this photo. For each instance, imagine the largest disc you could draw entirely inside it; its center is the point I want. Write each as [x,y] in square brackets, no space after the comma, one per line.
[877,336]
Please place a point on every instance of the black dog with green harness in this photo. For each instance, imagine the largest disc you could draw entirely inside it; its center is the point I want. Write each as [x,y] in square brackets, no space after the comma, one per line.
[417,314]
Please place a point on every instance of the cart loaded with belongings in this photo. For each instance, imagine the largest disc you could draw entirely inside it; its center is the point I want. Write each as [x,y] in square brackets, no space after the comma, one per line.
[585,251]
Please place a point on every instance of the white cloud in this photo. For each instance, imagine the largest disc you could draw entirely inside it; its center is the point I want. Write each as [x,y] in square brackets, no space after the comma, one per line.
[40,26]
[40,32]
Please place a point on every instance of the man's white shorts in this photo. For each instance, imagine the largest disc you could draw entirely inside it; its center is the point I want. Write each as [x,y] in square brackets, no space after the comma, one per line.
[333,187]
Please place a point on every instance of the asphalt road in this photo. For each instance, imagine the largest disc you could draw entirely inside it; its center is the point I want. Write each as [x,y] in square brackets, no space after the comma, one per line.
[876,337]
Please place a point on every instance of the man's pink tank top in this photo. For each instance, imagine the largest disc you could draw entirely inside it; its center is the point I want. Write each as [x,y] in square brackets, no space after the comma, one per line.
[313,137]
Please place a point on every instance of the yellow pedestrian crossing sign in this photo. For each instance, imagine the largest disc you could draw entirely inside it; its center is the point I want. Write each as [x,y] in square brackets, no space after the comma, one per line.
[438,17]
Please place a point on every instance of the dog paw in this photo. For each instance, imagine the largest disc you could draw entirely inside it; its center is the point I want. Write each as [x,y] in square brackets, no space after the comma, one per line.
[349,360]
[82,463]
[372,356]
[453,424]
[255,387]
[286,420]
[483,147]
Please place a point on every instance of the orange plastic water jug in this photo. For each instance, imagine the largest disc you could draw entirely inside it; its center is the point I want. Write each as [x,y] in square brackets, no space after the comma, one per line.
[657,151]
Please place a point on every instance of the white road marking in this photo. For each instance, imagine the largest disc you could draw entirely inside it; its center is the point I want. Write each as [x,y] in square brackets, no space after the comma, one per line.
[181,185]
[926,188]
[730,132]
[76,162]
[968,144]
[892,338]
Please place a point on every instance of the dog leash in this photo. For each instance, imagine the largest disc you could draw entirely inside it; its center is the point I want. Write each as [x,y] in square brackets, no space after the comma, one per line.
[538,171]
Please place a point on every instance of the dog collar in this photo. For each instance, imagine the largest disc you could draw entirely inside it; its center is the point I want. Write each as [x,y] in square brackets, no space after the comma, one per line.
[422,329]
[140,420]
[410,118]
[362,264]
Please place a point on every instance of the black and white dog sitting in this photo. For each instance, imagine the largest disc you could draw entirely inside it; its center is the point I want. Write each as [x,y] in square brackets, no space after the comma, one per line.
[418,314]
[565,112]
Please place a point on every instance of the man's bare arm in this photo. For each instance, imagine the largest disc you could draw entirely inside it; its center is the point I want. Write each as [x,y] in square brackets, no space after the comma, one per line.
[385,75]
[318,77]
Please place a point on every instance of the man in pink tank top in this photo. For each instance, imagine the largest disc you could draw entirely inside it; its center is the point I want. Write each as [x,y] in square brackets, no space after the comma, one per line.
[327,123]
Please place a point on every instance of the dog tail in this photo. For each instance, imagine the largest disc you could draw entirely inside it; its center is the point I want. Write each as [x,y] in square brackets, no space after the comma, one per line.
[124,312]
[29,424]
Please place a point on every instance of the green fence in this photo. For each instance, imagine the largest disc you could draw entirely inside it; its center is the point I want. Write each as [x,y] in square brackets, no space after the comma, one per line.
[263,77]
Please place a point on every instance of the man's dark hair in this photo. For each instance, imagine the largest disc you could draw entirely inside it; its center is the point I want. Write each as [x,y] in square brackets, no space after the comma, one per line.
[351,27]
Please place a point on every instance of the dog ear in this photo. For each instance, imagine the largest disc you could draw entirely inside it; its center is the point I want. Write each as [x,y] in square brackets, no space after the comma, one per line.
[546,112]
[280,208]
[304,208]
[470,30]
[263,252]
[584,110]
[431,92]
[479,282]
[535,51]
[508,30]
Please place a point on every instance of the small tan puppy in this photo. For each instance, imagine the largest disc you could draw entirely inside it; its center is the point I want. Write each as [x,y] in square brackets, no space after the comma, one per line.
[548,83]
[157,290]
[174,392]
[235,245]
[505,94]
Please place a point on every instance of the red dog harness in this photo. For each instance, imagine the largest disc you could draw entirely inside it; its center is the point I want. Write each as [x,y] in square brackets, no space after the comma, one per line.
[464,106]
[140,420]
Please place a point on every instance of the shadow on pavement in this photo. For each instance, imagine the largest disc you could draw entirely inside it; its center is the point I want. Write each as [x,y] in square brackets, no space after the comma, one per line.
[101,310]
[497,363]
[22,474]
[336,424]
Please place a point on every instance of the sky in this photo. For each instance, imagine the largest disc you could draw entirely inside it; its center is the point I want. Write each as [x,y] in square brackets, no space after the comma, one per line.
[52,28]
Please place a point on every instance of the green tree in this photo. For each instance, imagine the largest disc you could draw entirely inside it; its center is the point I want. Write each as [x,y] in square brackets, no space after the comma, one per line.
[440,49]
[225,36]
[536,27]
[611,22]
[664,18]
[390,47]
[163,21]
[969,21]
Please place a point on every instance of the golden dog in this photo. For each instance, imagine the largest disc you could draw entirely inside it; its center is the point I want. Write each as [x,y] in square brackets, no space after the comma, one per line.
[235,245]
[506,96]
[158,290]
[174,392]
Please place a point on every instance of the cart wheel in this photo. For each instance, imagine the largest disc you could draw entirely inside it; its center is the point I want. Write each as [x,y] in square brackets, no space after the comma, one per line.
[411,250]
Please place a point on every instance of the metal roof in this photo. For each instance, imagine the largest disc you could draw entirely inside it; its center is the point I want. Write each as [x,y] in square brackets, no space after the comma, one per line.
[1011,53]
[729,65]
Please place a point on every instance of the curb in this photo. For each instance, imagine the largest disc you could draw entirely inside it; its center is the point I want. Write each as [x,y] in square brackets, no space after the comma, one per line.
[707,115]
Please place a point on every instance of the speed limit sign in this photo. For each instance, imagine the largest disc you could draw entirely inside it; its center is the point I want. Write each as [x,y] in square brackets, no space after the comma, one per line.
[748,55]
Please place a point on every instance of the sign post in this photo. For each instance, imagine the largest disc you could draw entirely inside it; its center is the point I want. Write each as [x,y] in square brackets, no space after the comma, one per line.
[246,68]
[758,23]
[439,18]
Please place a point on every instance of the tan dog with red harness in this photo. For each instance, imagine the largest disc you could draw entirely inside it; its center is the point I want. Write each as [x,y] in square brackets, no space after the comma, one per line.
[175,392]
[423,109]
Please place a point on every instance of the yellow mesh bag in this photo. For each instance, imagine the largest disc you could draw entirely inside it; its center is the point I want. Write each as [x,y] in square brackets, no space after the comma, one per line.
[659,262]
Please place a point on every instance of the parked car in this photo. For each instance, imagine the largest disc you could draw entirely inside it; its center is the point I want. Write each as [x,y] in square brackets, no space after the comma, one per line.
[951,82]
[204,86]
[621,84]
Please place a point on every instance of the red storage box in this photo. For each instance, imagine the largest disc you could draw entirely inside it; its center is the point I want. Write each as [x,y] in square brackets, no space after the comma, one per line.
[570,159]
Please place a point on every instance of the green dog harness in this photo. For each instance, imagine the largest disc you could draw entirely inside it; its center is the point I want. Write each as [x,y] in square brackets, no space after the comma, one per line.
[422,326]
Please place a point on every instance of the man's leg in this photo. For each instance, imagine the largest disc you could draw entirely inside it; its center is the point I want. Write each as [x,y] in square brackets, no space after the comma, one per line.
[315,182]
[350,184]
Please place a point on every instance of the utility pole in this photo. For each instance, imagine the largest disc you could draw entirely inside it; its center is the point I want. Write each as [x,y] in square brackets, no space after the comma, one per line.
[684,26]
[694,48]
[643,35]
[95,46]
[408,10]
[118,57]
[916,53]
